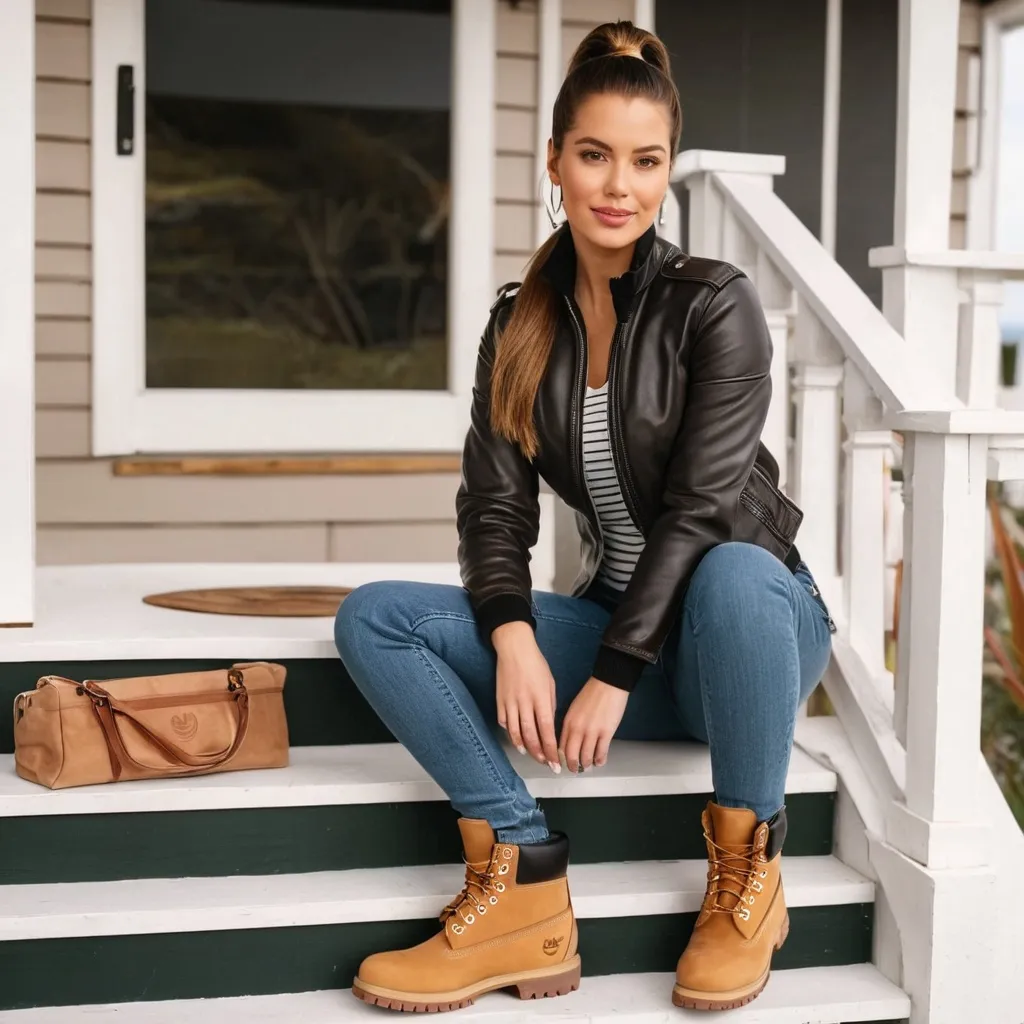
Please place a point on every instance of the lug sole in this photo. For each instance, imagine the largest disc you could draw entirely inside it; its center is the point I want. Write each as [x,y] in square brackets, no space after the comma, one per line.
[691,999]
[528,985]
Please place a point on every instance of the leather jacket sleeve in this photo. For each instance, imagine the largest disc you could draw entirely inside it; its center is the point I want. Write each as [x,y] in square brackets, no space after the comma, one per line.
[728,391]
[497,510]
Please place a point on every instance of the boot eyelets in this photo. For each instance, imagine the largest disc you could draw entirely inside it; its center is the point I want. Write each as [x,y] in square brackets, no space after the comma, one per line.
[470,919]
[458,929]
[481,910]
[763,874]
[744,914]
[500,887]
[493,900]
[506,853]
[503,870]
[757,886]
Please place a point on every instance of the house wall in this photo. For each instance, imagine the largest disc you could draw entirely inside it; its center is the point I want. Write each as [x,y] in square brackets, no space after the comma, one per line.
[85,513]
[968,108]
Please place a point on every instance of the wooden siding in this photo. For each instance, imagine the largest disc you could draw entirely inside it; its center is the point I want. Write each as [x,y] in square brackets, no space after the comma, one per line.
[965,132]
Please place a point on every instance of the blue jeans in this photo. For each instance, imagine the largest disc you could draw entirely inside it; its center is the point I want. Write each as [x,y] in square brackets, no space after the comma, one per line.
[752,642]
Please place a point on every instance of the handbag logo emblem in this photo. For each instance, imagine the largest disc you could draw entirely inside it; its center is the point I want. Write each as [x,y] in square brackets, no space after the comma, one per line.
[186,725]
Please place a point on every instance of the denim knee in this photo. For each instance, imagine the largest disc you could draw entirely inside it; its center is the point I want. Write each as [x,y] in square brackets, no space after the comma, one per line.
[733,580]
[366,611]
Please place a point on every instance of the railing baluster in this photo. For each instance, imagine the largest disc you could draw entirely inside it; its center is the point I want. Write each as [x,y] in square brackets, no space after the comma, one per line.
[863,564]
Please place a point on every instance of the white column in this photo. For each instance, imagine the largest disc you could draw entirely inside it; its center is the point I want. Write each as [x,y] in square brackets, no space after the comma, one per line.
[926,100]
[866,481]
[549,80]
[17,311]
[830,128]
[980,338]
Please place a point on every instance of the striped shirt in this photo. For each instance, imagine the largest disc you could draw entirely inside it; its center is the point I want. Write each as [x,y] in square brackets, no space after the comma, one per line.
[623,542]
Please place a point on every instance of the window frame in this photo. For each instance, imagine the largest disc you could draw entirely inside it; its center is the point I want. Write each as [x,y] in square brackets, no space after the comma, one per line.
[997,18]
[129,418]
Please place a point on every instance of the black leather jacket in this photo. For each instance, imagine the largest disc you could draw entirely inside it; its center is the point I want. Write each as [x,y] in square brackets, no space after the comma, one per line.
[689,390]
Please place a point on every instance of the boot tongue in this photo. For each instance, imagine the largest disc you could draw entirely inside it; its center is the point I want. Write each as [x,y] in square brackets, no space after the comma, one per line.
[732,829]
[477,841]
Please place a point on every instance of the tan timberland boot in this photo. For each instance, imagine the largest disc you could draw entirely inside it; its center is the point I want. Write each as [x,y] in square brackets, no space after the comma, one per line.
[512,926]
[743,920]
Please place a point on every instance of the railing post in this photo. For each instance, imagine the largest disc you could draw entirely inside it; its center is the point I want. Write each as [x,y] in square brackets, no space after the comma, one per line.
[696,169]
[863,521]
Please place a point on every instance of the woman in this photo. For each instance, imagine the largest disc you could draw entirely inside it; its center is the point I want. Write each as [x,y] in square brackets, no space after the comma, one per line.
[635,381]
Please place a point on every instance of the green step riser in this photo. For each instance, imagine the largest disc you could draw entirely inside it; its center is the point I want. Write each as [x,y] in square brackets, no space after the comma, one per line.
[321,701]
[288,840]
[264,961]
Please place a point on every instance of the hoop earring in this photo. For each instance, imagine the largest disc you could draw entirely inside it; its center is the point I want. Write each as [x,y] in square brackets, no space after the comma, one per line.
[549,207]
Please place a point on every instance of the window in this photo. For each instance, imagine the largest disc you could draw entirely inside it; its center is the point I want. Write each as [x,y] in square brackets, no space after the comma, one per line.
[293,253]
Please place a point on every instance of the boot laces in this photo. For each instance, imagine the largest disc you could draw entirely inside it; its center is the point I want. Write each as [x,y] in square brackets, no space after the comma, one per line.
[481,890]
[733,879]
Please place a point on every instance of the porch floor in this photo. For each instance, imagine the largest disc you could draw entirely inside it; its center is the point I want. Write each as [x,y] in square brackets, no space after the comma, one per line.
[92,612]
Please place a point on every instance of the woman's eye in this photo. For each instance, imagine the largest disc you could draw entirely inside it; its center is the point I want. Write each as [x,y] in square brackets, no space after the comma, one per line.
[649,161]
[588,154]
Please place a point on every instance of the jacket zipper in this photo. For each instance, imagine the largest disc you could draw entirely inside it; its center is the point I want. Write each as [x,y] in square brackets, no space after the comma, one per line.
[618,447]
[576,450]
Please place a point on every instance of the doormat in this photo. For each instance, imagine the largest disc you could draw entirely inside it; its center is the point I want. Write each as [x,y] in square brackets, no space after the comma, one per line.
[273,602]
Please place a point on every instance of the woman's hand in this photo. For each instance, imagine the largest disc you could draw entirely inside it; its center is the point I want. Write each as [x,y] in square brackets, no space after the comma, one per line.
[590,723]
[526,693]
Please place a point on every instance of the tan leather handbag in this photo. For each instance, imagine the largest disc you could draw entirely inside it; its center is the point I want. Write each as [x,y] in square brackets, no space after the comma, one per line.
[68,733]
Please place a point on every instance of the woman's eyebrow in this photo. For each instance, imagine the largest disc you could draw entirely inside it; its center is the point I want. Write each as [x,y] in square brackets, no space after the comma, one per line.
[598,144]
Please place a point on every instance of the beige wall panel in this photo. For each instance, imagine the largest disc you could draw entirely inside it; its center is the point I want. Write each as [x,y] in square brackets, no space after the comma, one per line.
[514,227]
[516,82]
[63,298]
[517,29]
[958,206]
[967,93]
[958,232]
[62,110]
[62,51]
[572,35]
[515,131]
[63,382]
[58,261]
[514,178]
[970,24]
[960,137]
[73,545]
[63,165]
[63,337]
[100,497]
[393,542]
[78,9]
[509,267]
[60,434]
[597,11]
[62,219]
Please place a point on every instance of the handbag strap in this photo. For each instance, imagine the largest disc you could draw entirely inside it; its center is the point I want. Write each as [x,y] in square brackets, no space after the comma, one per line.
[107,707]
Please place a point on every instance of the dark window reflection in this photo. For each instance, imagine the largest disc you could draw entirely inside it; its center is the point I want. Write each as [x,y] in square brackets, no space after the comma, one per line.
[297,194]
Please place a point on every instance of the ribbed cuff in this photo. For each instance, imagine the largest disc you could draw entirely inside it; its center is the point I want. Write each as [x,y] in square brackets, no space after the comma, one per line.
[502,608]
[617,668]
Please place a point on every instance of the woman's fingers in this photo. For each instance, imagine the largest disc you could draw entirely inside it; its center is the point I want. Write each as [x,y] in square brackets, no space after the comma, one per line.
[546,734]
[588,746]
[528,726]
[510,714]
[601,751]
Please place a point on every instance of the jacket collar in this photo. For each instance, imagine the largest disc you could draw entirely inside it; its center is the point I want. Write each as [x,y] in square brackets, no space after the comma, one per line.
[559,269]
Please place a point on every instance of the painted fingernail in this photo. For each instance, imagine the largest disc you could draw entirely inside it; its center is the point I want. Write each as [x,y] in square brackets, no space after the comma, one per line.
[522,750]
[555,767]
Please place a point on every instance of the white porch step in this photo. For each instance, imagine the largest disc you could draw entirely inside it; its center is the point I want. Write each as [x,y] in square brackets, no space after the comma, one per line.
[384,773]
[823,995]
[157,906]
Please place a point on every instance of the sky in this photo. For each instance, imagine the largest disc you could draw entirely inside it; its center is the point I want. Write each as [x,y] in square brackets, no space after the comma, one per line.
[1010,188]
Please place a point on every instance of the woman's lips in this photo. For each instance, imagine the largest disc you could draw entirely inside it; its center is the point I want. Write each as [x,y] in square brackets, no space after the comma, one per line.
[611,217]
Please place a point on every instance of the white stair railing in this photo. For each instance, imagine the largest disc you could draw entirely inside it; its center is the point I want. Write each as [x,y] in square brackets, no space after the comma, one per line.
[854,379]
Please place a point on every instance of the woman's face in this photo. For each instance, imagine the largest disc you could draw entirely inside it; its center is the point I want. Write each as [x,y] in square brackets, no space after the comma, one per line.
[613,168]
